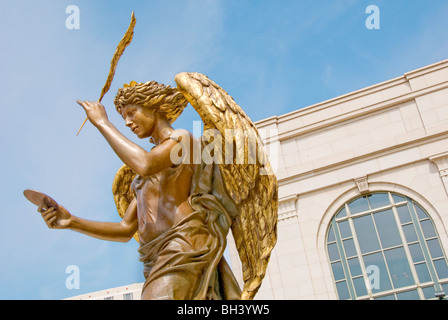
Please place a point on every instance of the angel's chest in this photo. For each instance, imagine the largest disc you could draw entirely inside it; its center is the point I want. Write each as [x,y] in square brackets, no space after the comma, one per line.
[156,183]
[143,185]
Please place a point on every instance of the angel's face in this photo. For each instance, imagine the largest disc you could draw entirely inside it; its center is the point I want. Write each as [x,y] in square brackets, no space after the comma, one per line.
[140,120]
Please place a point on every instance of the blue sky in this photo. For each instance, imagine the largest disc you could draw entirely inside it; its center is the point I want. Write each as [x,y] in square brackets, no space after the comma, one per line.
[273,57]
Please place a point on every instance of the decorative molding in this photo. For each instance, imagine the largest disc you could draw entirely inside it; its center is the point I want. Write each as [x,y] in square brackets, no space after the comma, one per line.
[287,207]
[362,184]
[441,161]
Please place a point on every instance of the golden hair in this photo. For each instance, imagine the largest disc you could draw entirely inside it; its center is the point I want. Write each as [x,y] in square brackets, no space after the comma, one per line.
[151,94]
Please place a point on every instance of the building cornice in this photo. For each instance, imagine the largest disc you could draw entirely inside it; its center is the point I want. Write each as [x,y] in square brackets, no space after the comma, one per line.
[414,143]
[360,111]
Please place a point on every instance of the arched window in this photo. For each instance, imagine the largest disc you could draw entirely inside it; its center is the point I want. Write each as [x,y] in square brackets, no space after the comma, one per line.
[385,246]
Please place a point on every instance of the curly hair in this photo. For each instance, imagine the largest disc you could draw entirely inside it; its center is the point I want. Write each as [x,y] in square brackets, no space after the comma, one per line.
[151,94]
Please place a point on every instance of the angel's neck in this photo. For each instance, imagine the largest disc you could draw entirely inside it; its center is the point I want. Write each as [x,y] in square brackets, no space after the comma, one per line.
[161,133]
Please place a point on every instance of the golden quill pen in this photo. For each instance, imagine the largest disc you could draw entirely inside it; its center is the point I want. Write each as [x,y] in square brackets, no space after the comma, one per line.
[125,41]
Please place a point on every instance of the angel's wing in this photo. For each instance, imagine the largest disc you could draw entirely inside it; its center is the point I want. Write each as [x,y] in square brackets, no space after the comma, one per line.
[121,189]
[250,183]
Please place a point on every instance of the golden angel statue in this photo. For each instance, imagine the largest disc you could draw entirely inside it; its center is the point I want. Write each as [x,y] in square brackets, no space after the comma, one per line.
[181,198]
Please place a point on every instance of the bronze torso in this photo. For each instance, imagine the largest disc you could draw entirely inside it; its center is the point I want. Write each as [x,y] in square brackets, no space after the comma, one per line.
[162,200]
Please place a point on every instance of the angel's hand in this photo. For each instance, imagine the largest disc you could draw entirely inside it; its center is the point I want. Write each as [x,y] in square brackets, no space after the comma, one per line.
[95,111]
[55,216]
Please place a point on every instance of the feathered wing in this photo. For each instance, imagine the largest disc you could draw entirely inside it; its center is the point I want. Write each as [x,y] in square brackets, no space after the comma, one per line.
[250,183]
[121,189]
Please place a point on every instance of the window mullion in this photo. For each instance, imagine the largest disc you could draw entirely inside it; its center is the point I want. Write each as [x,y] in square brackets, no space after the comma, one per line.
[406,248]
[344,261]
[360,258]
[423,245]
[386,264]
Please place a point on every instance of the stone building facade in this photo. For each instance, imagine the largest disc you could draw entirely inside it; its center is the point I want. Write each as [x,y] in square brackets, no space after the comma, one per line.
[363,193]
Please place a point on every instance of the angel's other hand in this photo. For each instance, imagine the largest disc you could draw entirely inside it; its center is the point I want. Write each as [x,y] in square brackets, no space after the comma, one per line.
[55,216]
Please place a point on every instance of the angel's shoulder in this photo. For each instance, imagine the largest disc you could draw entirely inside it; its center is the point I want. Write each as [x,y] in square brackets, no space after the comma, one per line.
[181,135]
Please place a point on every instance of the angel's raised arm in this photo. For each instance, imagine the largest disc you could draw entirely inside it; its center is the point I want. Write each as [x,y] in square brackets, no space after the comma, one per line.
[141,161]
